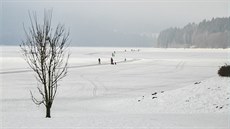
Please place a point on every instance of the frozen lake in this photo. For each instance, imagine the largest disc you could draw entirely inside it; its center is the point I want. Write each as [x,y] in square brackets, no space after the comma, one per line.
[93,95]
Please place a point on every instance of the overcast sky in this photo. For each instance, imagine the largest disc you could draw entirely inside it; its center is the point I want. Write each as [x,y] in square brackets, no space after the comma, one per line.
[109,22]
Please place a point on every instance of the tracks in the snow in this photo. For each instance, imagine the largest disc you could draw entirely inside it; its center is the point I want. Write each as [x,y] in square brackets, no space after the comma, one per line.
[180,65]
[70,67]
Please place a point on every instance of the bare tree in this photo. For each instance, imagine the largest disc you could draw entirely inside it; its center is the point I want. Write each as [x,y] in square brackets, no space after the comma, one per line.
[45,51]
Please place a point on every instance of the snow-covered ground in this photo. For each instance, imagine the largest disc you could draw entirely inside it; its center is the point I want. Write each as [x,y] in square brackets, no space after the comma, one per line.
[153,88]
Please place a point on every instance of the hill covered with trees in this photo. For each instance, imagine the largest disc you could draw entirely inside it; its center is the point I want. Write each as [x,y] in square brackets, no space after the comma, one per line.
[214,33]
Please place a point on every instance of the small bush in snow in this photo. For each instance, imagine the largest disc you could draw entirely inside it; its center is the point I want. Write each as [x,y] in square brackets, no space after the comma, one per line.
[224,71]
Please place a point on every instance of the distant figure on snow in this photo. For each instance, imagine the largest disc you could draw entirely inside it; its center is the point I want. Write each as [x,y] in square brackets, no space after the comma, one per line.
[111,61]
[113,54]
[99,61]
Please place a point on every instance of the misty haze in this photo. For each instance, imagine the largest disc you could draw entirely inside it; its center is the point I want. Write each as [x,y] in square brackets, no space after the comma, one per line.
[111,23]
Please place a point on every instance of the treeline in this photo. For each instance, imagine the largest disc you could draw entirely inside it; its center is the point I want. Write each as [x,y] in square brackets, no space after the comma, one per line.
[213,33]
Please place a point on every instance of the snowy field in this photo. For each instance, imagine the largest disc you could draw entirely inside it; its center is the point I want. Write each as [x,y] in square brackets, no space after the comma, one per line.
[152,89]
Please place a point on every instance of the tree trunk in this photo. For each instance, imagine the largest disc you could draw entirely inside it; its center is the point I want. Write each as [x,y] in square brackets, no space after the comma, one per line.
[48,107]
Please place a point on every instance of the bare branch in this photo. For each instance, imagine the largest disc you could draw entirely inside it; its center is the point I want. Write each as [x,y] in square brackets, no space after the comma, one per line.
[37,102]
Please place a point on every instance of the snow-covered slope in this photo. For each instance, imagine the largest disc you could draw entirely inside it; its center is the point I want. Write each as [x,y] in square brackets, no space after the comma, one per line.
[207,96]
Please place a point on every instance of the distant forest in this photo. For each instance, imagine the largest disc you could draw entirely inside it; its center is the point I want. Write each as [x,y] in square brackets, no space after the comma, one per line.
[213,33]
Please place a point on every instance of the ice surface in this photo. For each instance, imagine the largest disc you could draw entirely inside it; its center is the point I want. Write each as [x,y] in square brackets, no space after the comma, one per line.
[107,96]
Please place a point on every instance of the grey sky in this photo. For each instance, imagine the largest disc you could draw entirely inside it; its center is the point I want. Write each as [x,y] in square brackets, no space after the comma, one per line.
[109,22]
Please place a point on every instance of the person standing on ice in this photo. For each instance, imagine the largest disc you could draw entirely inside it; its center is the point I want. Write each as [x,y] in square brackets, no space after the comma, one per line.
[111,61]
[113,54]
[99,61]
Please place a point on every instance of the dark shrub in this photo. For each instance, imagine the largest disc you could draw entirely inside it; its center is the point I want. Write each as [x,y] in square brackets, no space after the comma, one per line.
[224,71]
